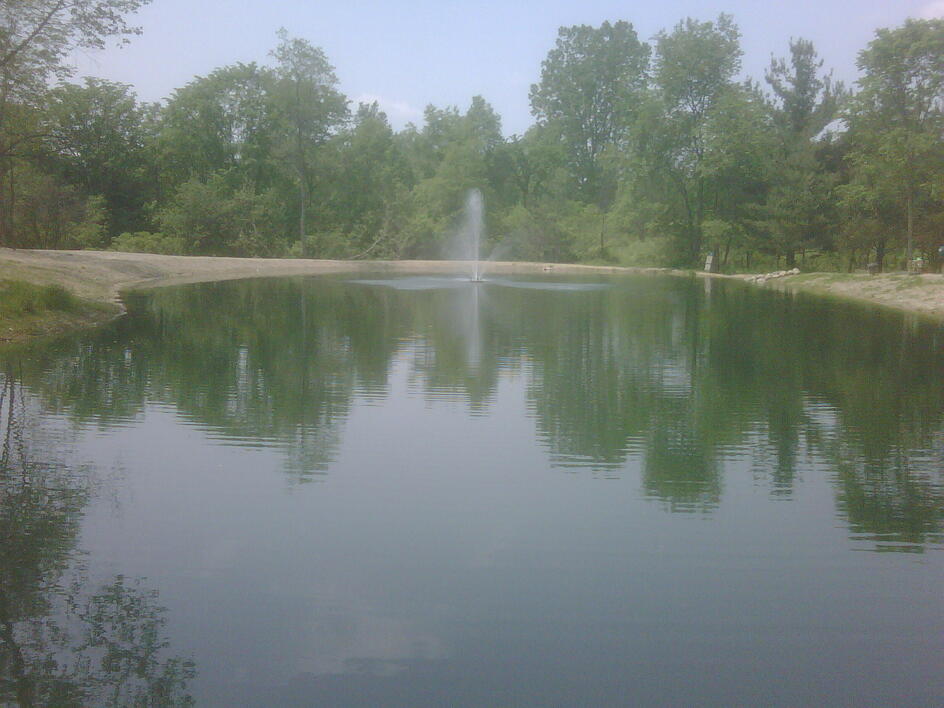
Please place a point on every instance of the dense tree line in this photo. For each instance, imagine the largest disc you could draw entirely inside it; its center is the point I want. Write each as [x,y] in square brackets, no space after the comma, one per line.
[640,153]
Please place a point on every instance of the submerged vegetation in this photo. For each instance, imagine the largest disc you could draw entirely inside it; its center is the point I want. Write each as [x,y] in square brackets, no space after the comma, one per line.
[643,154]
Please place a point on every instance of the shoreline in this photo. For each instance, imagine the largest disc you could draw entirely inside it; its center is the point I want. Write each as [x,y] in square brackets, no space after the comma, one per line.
[100,277]
[916,294]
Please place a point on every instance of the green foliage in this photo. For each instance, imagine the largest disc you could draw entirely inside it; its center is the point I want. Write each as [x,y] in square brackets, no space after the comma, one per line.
[655,252]
[19,298]
[308,108]
[53,214]
[643,154]
[535,236]
[214,218]
[590,85]
[694,67]
[221,122]
[96,141]
[90,231]
[36,37]
[800,208]
[895,125]
[147,242]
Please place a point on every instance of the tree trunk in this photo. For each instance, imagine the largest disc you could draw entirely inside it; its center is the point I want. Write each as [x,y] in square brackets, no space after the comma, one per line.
[7,195]
[302,203]
[11,212]
[910,209]
[602,232]
[880,255]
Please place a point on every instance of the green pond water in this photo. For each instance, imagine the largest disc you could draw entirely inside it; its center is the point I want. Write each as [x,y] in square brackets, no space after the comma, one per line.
[424,492]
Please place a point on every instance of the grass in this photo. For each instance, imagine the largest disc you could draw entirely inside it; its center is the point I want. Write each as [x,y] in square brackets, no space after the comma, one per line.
[18,299]
[28,310]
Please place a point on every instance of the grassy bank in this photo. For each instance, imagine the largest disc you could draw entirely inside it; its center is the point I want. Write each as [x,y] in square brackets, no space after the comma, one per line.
[28,310]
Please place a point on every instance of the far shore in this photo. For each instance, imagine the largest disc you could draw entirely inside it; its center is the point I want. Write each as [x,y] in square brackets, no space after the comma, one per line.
[102,276]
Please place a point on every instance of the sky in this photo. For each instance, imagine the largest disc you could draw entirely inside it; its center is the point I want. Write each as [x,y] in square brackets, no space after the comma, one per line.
[412,53]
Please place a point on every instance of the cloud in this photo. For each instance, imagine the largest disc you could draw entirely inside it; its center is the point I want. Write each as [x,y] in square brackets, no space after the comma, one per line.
[932,10]
[399,112]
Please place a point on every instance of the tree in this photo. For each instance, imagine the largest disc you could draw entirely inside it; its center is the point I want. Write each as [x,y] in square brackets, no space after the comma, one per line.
[800,205]
[738,144]
[896,123]
[216,218]
[806,101]
[370,179]
[310,107]
[591,83]
[452,154]
[694,67]
[221,122]
[96,142]
[37,35]
[35,38]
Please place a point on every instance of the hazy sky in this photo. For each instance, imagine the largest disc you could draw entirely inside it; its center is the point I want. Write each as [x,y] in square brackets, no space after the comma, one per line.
[412,53]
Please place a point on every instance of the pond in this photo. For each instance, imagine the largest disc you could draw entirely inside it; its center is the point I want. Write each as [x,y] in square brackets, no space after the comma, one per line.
[644,490]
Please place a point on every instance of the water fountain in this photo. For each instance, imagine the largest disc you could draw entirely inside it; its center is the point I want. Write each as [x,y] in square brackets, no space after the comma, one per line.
[470,234]
[466,245]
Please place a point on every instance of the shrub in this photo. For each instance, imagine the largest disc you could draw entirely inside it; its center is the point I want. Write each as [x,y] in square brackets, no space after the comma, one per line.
[19,298]
[146,242]
[653,252]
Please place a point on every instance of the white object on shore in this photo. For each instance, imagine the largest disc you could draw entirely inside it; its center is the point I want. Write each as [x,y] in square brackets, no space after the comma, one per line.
[763,278]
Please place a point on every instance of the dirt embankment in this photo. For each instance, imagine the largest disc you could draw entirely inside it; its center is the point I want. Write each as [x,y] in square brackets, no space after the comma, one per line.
[922,294]
[101,276]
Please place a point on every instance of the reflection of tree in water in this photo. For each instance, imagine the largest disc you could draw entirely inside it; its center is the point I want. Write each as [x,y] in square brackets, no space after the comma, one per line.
[653,368]
[59,644]
[892,497]
[680,469]
[462,352]
[891,505]
[259,361]
[613,376]
[882,433]
[686,381]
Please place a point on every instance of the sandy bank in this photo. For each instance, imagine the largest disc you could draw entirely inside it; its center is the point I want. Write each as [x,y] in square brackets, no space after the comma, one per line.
[921,294]
[102,275]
